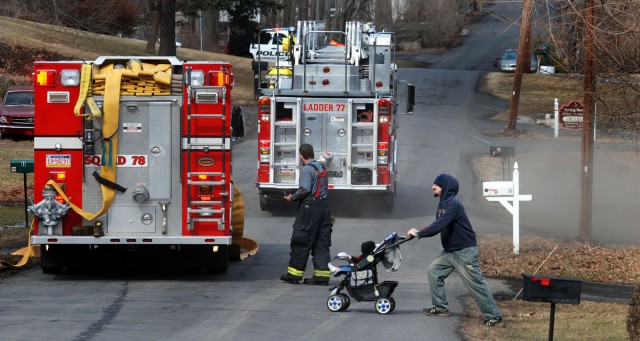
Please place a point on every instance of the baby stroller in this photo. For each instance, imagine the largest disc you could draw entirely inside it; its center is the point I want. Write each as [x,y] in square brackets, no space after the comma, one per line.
[361,279]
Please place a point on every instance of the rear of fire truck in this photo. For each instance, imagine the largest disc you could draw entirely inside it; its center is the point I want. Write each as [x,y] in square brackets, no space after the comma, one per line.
[133,162]
[340,96]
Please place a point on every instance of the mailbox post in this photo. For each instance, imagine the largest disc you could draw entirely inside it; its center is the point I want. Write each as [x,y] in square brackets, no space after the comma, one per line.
[552,290]
[24,167]
[503,192]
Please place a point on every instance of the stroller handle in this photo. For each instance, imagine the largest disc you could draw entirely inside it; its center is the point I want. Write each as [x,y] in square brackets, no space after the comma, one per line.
[403,240]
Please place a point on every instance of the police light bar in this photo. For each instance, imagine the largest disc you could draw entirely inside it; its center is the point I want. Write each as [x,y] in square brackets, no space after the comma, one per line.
[45,78]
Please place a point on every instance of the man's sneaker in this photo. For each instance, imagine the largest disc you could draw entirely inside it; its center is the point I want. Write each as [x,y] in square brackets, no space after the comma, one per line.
[289,278]
[316,281]
[493,321]
[435,311]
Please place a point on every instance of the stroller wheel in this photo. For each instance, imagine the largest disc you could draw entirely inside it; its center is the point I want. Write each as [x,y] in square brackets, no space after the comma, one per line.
[347,302]
[385,305]
[336,302]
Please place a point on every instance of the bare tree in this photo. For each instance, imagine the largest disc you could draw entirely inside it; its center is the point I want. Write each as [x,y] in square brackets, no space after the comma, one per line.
[616,44]
[431,22]
[154,25]
[167,28]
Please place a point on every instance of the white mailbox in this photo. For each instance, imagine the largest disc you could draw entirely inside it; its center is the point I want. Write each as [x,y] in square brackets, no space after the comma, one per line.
[497,188]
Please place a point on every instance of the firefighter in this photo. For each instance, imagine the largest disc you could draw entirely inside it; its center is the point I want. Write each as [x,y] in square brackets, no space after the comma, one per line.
[312,227]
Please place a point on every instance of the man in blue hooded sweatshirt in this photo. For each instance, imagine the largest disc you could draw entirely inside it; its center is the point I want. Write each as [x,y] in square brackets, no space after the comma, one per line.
[460,253]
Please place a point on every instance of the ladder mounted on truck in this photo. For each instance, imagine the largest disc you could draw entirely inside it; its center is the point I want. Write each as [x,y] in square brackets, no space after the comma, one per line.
[204,210]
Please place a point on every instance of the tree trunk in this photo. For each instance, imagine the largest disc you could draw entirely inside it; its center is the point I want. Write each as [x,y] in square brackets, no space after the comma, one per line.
[292,10]
[211,30]
[304,9]
[168,29]
[154,26]
[384,13]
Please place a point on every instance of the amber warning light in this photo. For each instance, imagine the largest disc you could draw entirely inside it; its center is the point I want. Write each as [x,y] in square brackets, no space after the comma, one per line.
[58,176]
[45,78]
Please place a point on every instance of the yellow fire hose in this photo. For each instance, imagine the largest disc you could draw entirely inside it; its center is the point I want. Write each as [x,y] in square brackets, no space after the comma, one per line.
[241,247]
[26,253]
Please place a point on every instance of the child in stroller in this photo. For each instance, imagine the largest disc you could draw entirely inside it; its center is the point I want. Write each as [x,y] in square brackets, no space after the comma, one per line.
[366,248]
[361,277]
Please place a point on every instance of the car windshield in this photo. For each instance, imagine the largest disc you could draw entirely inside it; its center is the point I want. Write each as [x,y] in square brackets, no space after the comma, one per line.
[510,55]
[19,98]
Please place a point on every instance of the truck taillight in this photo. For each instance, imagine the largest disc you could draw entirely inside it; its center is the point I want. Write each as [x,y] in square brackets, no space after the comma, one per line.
[70,77]
[204,188]
[218,78]
[60,178]
[45,78]
[379,84]
[383,153]
[265,151]
[206,198]
[383,175]
[384,109]
[384,106]
[264,107]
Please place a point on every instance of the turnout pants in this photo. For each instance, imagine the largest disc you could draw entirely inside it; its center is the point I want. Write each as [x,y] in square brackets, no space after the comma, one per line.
[311,235]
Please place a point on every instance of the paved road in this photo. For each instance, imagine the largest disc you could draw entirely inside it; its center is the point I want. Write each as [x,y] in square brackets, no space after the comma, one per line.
[250,302]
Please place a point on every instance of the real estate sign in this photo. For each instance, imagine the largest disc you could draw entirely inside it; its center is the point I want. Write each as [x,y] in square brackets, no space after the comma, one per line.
[570,115]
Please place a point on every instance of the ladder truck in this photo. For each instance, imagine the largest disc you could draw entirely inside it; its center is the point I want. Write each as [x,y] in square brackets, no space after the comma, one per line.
[338,91]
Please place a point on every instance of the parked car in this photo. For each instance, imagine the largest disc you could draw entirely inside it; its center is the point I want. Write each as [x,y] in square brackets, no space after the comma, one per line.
[507,63]
[16,113]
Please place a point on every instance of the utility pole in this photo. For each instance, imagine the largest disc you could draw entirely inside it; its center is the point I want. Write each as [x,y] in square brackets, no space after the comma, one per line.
[586,178]
[523,47]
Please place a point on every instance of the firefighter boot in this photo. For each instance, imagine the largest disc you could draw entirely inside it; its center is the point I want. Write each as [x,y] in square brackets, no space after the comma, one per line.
[289,278]
[317,280]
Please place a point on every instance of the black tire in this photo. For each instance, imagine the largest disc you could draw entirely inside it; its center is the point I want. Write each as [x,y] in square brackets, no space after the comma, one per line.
[195,257]
[389,204]
[218,262]
[347,302]
[385,306]
[336,302]
[50,263]
[264,203]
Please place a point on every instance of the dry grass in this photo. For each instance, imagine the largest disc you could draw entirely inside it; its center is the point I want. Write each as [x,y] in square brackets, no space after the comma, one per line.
[537,91]
[11,184]
[530,321]
[568,259]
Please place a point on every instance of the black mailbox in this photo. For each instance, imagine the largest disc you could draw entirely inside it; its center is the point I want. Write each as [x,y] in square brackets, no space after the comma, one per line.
[551,289]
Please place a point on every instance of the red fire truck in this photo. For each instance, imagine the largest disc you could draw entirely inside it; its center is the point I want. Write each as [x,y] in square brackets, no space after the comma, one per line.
[337,91]
[133,158]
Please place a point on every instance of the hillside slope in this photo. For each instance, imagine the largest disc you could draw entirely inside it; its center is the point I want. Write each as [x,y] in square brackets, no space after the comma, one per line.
[23,42]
